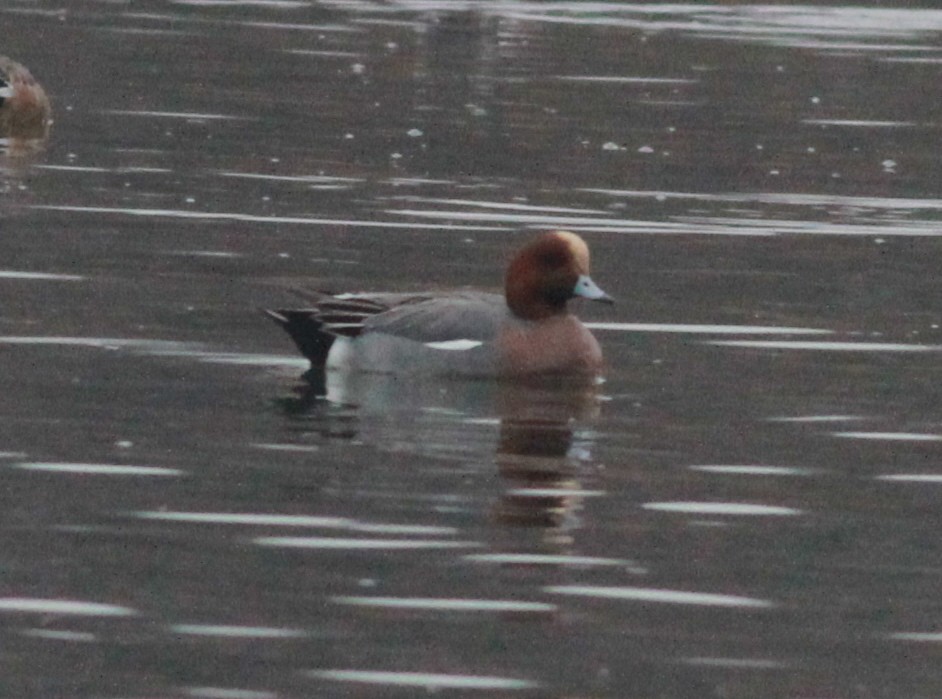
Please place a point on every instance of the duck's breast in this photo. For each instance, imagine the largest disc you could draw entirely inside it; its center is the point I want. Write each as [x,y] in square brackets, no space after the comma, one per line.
[560,344]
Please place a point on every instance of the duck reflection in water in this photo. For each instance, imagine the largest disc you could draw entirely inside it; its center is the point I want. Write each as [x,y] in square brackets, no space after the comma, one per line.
[536,433]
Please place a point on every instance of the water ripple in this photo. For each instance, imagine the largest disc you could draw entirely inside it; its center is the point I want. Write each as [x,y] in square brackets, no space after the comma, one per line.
[539,559]
[446,605]
[61,606]
[277,520]
[427,681]
[826,346]
[708,329]
[96,469]
[890,436]
[226,631]
[659,596]
[756,470]
[359,544]
[723,508]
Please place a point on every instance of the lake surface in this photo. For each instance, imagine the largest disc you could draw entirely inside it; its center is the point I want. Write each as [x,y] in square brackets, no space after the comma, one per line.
[749,505]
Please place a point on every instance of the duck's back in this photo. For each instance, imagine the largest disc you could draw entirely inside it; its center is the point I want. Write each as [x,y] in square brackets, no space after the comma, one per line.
[439,334]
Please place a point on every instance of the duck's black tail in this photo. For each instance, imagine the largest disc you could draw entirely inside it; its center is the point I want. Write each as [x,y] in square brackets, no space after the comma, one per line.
[306,331]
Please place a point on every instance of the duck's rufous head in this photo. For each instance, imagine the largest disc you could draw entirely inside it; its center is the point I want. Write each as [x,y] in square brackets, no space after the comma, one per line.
[546,273]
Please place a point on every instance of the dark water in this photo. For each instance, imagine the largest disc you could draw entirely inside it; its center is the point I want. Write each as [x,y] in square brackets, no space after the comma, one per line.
[749,506]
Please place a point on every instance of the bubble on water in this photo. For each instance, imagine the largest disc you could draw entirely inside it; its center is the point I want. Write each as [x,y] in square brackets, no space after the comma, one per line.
[348,136]
[608,145]
[414,133]
[396,156]
[811,149]
[889,165]
[775,172]
[645,149]
[815,100]
[358,68]
[124,444]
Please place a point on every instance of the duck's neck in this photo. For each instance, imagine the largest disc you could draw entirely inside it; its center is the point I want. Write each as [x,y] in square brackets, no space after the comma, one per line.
[529,305]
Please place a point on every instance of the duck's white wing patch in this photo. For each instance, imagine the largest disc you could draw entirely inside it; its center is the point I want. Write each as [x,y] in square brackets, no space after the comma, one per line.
[454,345]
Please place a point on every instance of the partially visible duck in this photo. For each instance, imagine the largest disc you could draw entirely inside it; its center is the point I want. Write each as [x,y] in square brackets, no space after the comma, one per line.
[529,330]
[24,108]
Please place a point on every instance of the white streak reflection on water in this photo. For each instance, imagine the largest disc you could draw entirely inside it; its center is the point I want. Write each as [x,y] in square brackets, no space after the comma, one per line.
[826,346]
[625,79]
[162,348]
[660,596]
[890,436]
[289,448]
[39,276]
[226,631]
[97,469]
[779,198]
[737,509]
[301,542]
[504,206]
[554,492]
[756,470]
[301,179]
[30,605]
[96,342]
[446,605]
[238,358]
[428,681]
[223,693]
[60,635]
[918,637]
[275,520]
[194,116]
[931,478]
[250,218]
[861,123]
[562,561]
[817,418]
[737,663]
[708,329]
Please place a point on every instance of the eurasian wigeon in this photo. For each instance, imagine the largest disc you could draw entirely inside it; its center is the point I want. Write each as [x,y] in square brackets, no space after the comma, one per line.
[529,330]
[24,107]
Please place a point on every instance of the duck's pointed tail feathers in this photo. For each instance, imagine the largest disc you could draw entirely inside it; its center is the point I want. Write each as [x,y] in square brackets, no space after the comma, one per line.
[306,331]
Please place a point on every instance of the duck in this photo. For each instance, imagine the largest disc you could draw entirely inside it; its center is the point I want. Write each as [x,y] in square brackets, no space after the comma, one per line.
[528,330]
[24,107]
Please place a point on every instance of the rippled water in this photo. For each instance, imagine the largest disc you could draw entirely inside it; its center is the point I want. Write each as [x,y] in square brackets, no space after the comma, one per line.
[748,506]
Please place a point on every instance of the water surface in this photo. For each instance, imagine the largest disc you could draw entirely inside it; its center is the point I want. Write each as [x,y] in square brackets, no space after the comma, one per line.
[749,505]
